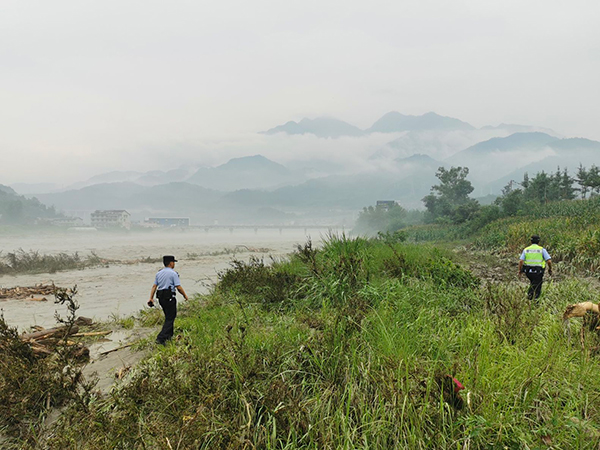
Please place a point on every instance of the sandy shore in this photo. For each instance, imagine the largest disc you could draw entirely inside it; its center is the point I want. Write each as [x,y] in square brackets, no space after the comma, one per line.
[124,289]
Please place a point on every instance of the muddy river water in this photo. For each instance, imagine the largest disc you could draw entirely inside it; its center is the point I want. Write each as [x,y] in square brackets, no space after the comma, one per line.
[123,289]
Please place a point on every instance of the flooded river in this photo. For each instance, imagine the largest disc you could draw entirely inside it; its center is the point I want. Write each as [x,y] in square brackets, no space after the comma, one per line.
[123,289]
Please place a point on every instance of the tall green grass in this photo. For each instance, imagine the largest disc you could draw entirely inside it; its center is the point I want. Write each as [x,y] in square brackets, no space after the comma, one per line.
[349,355]
[569,230]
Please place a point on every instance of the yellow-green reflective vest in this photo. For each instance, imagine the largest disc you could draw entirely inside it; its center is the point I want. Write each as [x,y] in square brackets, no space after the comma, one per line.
[534,256]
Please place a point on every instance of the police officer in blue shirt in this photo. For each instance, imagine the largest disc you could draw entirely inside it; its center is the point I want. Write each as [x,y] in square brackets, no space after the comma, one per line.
[165,285]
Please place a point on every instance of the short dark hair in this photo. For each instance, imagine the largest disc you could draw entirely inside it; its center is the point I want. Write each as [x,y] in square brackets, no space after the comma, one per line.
[535,239]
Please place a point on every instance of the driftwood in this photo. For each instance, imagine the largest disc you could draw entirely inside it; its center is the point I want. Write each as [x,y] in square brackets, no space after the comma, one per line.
[44,341]
[93,333]
[115,349]
[40,350]
[19,292]
[51,332]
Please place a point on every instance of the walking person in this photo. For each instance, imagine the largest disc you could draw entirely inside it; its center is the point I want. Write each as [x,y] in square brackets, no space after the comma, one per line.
[166,285]
[533,263]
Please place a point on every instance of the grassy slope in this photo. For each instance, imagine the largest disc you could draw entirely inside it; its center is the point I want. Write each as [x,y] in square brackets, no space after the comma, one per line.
[341,348]
[569,230]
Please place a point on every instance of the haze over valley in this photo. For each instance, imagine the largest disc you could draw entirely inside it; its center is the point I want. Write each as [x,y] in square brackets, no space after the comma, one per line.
[323,171]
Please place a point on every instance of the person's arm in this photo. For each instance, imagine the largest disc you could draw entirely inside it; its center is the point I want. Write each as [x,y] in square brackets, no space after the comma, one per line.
[548,260]
[520,268]
[521,262]
[152,292]
[182,292]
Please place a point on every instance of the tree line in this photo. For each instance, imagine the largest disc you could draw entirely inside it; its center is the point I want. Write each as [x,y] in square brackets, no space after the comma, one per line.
[449,201]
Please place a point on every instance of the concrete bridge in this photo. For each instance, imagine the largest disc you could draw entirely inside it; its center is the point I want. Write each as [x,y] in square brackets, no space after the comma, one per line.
[306,228]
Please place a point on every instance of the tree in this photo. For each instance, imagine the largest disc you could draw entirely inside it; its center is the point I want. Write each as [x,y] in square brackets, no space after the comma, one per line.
[582,180]
[567,190]
[13,212]
[593,180]
[380,218]
[449,201]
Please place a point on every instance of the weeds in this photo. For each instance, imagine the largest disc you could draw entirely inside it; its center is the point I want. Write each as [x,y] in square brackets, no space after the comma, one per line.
[257,281]
[31,385]
[21,261]
[359,357]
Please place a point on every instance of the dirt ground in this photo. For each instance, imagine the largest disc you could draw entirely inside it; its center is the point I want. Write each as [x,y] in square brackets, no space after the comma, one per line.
[123,289]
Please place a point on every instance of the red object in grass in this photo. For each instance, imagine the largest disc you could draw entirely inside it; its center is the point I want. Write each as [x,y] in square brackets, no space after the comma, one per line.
[457,385]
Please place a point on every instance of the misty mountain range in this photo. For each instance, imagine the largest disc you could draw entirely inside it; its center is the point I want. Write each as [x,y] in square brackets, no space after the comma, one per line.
[392,122]
[255,189]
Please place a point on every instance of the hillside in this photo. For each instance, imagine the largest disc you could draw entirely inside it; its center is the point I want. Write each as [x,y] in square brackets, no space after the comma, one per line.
[396,122]
[510,159]
[497,157]
[250,172]
[175,199]
[391,122]
[16,209]
[323,127]
[407,183]
[518,141]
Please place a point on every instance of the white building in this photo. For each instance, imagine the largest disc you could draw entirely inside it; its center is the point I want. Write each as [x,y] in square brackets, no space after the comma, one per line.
[111,218]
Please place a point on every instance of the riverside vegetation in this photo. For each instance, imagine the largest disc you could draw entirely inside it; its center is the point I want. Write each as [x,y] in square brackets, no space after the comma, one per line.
[345,346]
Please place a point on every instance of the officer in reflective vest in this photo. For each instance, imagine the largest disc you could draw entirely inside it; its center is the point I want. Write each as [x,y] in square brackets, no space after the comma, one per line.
[532,263]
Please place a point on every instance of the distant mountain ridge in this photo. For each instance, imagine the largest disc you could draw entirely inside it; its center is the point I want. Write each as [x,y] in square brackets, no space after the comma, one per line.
[323,127]
[394,121]
[248,172]
[18,210]
[532,141]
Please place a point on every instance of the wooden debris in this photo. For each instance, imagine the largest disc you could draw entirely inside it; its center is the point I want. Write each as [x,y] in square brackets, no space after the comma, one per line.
[115,349]
[82,353]
[92,333]
[20,292]
[37,299]
[45,334]
[40,350]
[120,374]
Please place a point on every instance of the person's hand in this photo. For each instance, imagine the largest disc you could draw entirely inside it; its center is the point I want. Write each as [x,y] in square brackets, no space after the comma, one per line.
[151,303]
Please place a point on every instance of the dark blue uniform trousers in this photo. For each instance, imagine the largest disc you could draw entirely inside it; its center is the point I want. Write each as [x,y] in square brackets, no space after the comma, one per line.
[169,306]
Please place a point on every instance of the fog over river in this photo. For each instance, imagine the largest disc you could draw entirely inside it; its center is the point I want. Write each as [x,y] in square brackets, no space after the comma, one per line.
[123,289]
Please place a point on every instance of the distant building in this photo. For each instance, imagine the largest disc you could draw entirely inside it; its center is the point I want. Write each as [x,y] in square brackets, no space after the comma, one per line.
[386,205]
[66,222]
[170,221]
[111,218]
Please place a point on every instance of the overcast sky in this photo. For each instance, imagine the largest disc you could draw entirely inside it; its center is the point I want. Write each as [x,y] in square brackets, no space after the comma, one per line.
[92,85]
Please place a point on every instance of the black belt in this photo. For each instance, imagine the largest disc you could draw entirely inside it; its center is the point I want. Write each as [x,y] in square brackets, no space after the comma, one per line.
[165,294]
[533,269]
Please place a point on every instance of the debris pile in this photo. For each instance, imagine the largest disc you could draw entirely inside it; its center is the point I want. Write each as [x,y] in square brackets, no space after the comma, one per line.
[34,293]
[43,341]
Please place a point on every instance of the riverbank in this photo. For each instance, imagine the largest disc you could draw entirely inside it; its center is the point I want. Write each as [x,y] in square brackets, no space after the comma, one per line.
[116,289]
